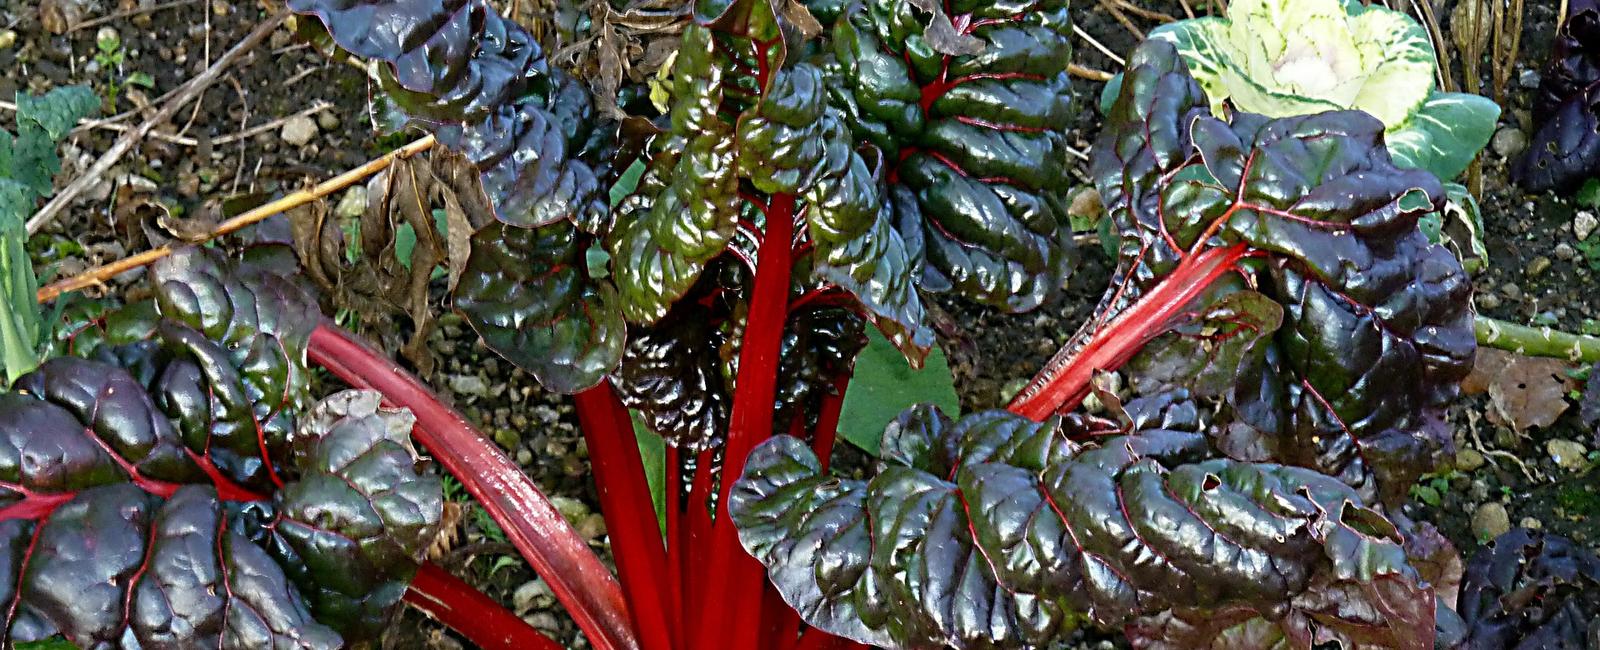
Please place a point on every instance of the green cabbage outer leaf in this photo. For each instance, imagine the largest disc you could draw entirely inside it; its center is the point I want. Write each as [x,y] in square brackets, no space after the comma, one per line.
[130,511]
[973,124]
[1283,58]
[527,292]
[989,531]
[1376,324]
[482,82]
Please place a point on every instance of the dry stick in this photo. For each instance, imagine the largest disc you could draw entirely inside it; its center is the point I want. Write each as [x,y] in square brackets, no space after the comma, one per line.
[128,14]
[187,92]
[1147,14]
[1098,45]
[191,142]
[1121,18]
[99,274]
[1091,74]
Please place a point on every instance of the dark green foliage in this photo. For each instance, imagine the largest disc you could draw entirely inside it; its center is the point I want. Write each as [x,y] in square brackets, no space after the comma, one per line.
[528,293]
[1565,151]
[989,531]
[177,489]
[973,117]
[1375,328]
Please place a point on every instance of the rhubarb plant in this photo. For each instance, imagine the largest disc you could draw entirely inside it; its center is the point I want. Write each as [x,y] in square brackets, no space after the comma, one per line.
[1293,338]
[175,484]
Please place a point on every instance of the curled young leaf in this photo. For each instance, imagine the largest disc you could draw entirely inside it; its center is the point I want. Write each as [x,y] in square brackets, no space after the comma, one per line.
[999,527]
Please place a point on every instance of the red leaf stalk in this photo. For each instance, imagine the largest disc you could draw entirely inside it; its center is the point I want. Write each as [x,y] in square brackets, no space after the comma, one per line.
[466,610]
[554,550]
[630,512]
[736,578]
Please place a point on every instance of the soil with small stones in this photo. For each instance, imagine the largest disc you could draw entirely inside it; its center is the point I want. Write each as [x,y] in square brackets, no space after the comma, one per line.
[1531,274]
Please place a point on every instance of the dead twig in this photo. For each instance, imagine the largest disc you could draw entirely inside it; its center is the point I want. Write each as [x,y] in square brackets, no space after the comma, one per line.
[188,92]
[1098,45]
[98,275]
[1084,72]
[230,138]
[1116,13]
[131,13]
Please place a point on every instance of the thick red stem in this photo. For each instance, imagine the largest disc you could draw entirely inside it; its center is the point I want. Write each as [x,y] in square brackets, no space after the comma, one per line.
[466,610]
[736,578]
[1064,384]
[555,551]
[630,512]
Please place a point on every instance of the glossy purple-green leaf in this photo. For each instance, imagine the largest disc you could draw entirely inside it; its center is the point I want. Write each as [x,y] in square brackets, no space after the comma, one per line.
[1565,150]
[1529,590]
[1001,528]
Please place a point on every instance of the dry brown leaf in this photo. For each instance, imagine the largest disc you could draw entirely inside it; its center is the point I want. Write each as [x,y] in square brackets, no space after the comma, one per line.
[450,531]
[1524,392]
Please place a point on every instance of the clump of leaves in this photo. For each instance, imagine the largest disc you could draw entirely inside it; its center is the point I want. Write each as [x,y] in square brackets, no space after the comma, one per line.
[1296,57]
[1529,589]
[28,165]
[176,486]
[1565,151]
[1269,268]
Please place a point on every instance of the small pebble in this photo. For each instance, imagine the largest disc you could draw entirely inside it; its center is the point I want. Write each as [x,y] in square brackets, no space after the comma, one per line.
[298,131]
[1490,521]
[1583,224]
[471,385]
[327,120]
[1488,301]
[1509,142]
[571,509]
[1511,291]
[1468,460]
[592,527]
[532,594]
[1568,455]
[1565,251]
[8,38]
[1537,265]
[1531,523]
[1529,78]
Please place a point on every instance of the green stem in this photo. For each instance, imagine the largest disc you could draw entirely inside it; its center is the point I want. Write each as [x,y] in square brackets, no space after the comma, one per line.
[1536,341]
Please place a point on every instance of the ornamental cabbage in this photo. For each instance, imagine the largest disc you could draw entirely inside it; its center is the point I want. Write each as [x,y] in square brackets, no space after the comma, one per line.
[1282,58]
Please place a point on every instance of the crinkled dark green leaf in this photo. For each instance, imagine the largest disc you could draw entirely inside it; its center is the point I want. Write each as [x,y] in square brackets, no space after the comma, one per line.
[482,82]
[1565,151]
[688,204]
[1376,321]
[979,140]
[528,293]
[1530,589]
[989,531]
[177,490]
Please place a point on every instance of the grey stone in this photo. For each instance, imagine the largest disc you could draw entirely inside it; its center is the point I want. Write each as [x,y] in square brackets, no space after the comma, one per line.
[1567,454]
[1490,521]
[298,131]
[1509,142]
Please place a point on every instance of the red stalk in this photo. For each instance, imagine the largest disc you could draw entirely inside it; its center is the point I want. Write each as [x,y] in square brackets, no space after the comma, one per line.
[736,578]
[1063,384]
[466,610]
[630,512]
[554,550]
[675,542]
